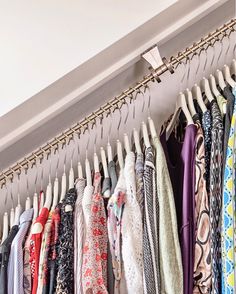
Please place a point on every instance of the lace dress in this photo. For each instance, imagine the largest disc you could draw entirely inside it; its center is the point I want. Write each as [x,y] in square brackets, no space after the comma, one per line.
[132,245]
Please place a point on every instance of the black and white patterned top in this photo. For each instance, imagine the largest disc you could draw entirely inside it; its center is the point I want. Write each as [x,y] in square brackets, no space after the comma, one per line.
[65,261]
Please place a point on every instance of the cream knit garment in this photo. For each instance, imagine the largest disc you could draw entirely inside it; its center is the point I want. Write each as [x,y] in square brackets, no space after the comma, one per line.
[170,254]
[132,231]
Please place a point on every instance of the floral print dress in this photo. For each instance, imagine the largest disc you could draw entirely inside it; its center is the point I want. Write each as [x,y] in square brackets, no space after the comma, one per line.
[94,268]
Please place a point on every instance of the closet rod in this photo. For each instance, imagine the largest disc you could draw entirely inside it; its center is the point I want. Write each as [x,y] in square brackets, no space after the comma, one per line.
[118,101]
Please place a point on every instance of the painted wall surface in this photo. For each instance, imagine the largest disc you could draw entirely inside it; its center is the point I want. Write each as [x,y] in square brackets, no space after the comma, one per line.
[41,43]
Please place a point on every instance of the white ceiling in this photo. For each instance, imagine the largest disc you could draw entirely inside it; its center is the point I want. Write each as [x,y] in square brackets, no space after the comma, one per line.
[41,43]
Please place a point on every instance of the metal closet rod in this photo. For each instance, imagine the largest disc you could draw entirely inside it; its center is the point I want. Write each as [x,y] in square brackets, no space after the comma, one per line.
[118,101]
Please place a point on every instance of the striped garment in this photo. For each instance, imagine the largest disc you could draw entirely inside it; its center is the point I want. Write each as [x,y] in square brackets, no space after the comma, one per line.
[78,237]
[152,280]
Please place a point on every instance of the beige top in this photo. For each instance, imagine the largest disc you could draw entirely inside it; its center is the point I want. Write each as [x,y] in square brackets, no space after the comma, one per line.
[170,252]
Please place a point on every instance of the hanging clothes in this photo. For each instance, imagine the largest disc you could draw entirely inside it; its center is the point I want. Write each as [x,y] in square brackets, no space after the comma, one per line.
[206,126]
[202,260]
[170,253]
[5,249]
[43,260]
[35,246]
[228,117]
[78,236]
[15,264]
[228,207]
[94,267]
[222,103]
[152,276]
[113,175]
[139,170]
[86,205]
[65,269]
[114,223]
[27,281]
[181,163]
[216,164]
[53,250]
[132,245]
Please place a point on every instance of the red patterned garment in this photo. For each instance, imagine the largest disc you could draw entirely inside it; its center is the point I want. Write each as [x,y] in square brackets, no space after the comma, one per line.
[94,269]
[35,246]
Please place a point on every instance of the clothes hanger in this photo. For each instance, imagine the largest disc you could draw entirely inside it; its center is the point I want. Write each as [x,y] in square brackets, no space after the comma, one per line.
[35,206]
[17,215]
[213,86]
[12,217]
[55,196]
[220,79]
[71,176]
[48,198]
[27,203]
[5,227]
[119,146]
[88,173]
[104,163]
[233,67]
[126,143]
[227,76]
[197,93]
[206,88]
[5,230]
[180,105]
[80,171]
[137,142]
[120,154]
[63,184]
[189,98]
[55,193]
[145,135]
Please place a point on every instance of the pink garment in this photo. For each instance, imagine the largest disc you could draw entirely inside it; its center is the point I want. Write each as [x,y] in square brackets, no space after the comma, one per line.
[94,269]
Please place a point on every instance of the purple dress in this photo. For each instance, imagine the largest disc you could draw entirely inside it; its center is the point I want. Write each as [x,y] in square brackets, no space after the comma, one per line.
[180,157]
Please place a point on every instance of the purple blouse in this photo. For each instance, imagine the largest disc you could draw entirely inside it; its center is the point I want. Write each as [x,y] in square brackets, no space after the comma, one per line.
[180,157]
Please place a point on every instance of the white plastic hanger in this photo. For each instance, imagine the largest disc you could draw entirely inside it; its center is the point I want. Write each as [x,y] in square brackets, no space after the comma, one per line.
[27,203]
[220,79]
[55,193]
[80,171]
[126,143]
[17,214]
[145,135]
[233,67]
[41,202]
[5,227]
[213,86]
[96,163]
[152,128]
[104,163]
[63,185]
[12,217]
[137,142]
[71,177]
[109,152]
[35,206]
[88,172]
[189,98]
[206,88]
[197,93]
[180,104]
[227,76]
[48,200]
[120,154]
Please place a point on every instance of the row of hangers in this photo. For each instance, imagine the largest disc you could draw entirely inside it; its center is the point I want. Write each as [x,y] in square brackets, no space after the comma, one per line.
[184,102]
[185,99]
[51,197]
